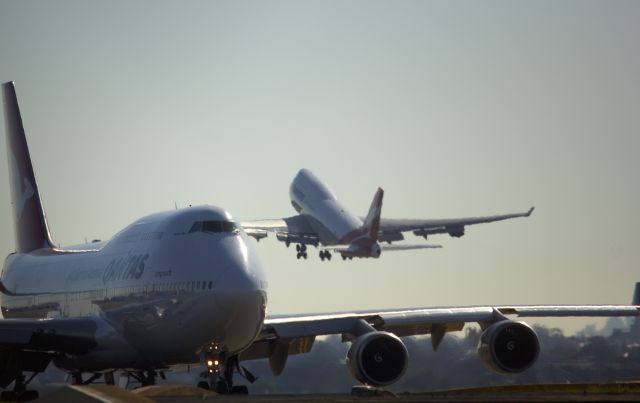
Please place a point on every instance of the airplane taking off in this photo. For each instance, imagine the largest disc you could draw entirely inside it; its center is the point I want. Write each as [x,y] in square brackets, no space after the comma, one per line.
[323,221]
[185,287]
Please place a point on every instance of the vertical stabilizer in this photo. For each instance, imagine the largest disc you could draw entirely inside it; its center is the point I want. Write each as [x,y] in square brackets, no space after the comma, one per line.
[372,222]
[635,322]
[636,295]
[30,223]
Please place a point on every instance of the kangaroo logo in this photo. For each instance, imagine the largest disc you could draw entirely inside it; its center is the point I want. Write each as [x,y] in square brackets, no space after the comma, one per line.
[24,189]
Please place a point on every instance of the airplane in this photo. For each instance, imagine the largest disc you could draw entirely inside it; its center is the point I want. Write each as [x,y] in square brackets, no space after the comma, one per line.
[323,221]
[184,288]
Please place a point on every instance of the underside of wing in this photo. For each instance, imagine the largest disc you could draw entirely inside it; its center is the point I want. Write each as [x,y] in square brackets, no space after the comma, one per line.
[295,229]
[408,247]
[30,344]
[394,247]
[506,346]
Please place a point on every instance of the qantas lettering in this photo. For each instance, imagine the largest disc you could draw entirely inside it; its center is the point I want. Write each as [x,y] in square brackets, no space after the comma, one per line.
[125,268]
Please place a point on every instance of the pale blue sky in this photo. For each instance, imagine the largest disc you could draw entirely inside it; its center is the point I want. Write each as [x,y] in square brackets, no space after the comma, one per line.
[454,108]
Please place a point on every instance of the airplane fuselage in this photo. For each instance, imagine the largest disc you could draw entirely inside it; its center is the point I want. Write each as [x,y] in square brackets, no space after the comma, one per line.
[329,218]
[161,291]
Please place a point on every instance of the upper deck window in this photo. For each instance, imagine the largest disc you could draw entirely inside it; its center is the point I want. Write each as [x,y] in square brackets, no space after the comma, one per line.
[214,227]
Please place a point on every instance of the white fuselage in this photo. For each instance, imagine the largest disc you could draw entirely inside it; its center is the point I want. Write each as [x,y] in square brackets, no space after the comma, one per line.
[160,291]
[328,217]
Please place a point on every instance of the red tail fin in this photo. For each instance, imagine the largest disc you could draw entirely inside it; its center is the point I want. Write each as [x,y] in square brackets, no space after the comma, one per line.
[30,222]
[372,223]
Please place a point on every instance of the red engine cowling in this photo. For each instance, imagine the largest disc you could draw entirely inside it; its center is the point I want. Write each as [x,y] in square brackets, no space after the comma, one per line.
[509,347]
[377,358]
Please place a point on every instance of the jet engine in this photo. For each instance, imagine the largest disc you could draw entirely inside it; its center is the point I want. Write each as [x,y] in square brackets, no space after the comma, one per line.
[509,347]
[377,358]
[456,232]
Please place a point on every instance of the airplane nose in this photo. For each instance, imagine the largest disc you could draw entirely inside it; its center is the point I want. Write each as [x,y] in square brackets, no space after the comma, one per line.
[238,280]
[243,272]
[242,300]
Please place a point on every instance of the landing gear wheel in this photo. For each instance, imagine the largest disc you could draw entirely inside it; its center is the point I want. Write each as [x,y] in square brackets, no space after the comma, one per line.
[325,254]
[298,247]
[222,388]
[240,390]
[298,255]
[13,396]
[304,255]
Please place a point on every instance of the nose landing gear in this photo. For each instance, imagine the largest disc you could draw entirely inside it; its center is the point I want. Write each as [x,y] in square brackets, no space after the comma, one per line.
[219,375]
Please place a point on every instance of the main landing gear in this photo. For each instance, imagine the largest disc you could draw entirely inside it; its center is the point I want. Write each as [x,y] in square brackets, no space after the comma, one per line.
[20,392]
[145,379]
[325,254]
[302,251]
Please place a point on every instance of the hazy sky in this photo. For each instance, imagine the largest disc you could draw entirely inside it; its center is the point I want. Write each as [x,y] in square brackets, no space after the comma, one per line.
[454,108]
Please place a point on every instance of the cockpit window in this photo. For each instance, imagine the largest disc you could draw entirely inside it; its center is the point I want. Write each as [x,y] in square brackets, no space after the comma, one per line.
[214,227]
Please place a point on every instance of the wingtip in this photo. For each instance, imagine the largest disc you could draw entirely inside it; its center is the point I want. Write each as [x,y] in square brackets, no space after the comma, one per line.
[530,211]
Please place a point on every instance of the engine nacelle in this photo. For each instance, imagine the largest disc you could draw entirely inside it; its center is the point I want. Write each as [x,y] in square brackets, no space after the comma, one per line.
[509,347]
[456,232]
[377,358]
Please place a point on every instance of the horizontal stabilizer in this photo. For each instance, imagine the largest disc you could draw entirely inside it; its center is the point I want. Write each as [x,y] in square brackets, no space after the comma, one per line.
[409,247]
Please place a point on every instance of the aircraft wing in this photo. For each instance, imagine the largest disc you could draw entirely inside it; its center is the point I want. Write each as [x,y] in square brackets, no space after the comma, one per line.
[391,229]
[287,335]
[338,248]
[35,342]
[295,229]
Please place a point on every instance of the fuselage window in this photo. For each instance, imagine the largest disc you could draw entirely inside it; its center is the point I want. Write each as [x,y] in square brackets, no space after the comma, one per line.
[214,227]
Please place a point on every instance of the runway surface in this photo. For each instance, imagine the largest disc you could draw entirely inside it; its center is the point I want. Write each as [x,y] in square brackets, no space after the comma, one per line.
[615,392]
